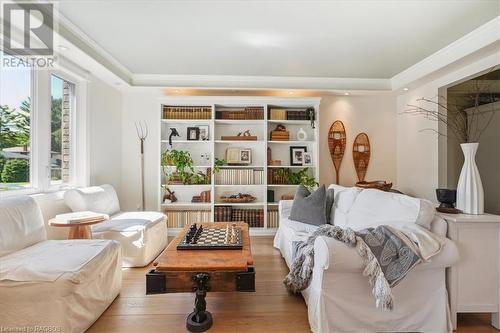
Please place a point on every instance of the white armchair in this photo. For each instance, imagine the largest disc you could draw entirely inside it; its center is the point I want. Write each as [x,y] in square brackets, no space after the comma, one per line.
[143,235]
[63,284]
[339,298]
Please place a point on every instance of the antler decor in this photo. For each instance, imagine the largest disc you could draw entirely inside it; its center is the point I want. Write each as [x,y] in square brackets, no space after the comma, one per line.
[361,155]
[336,144]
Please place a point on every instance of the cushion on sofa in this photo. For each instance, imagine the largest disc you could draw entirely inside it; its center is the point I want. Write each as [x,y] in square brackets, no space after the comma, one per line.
[21,224]
[374,207]
[344,198]
[310,208]
[99,199]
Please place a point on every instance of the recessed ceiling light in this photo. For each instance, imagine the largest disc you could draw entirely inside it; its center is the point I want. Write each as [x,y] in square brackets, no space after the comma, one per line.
[63,48]
[406,89]
[346,93]
[290,93]
[177,91]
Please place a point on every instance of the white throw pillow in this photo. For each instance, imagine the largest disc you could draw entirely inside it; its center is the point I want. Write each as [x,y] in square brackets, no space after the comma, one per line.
[100,199]
[344,199]
[21,224]
[374,207]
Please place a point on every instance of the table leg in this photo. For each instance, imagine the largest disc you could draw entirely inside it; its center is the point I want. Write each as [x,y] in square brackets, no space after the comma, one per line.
[200,320]
[80,232]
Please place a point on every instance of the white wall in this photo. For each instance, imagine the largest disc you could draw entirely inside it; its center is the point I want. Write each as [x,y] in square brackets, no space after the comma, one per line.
[376,116]
[418,165]
[104,129]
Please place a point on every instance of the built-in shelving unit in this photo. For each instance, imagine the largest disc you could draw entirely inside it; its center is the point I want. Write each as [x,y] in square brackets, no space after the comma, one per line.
[261,214]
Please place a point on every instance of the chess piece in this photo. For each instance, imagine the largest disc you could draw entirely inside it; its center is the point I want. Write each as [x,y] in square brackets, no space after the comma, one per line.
[233,234]
[226,240]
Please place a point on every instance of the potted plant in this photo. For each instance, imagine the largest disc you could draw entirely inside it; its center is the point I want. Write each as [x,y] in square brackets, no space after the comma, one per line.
[297,178]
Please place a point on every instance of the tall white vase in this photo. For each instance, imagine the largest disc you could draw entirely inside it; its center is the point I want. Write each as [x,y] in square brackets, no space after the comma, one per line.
[470,193]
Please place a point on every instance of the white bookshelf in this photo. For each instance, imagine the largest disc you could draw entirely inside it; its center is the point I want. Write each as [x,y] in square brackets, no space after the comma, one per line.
[215,147]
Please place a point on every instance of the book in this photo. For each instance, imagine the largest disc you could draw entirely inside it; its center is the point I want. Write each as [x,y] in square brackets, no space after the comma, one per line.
[81,217]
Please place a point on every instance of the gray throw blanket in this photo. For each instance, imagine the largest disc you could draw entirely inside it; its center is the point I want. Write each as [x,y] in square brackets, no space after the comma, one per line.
[386,255]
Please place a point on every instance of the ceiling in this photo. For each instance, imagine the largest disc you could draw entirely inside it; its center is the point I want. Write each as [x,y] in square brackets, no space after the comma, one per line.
[324,39]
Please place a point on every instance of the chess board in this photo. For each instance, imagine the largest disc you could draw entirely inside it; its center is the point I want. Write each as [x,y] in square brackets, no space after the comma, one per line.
[211,239]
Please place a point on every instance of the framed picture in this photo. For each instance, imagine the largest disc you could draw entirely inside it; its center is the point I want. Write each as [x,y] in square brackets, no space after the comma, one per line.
[193,133]
[297,155]
[246,156]
[307,159]
[204,132]
[238,156]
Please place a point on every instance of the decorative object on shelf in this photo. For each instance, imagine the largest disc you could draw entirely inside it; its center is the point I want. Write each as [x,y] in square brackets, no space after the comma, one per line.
[361,155]
[296,155]
[447,198]
[168,196]
[377,184]
[470,193]
[204,132]
[173,133]
[245,136]
[286,176]
[466,124]
[203,197]
[280,133]
[307,159]
[239,198]
[184,172]
[270,160]
[239,156]
[336,144]
[193,133]
[141,129]
[311,113]
[301,135]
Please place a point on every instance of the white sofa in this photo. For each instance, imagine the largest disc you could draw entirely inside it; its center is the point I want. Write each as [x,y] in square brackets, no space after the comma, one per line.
[339,298]
[143,235]
[60,284]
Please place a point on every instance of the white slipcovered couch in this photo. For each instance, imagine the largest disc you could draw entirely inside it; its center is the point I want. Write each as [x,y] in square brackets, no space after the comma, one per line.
[339,298]
[143,235]
[55,285]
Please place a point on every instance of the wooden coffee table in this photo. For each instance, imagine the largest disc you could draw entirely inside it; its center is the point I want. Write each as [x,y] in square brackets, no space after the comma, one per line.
[79,230]
[200,271]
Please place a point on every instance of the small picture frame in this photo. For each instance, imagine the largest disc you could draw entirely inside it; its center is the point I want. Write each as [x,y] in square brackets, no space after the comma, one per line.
[297,155]
[204,132]
[193,133]
[246,156]
[307,159]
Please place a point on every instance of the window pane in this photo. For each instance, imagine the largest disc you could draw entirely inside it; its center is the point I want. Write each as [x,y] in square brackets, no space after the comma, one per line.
[60,152]
[15,115]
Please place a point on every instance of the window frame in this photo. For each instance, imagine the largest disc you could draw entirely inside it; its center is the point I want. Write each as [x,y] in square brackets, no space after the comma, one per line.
[40,130]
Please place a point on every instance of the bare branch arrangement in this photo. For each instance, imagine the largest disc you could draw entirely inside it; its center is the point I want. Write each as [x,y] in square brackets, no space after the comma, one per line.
[466,120]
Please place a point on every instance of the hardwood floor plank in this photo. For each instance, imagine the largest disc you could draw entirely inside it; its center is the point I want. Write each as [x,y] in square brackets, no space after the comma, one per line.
[270,309]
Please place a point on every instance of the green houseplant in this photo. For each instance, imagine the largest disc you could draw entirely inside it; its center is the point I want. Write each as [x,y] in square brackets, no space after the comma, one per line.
[297,178]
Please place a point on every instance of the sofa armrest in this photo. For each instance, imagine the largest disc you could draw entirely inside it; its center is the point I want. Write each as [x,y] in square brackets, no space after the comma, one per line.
[285,207]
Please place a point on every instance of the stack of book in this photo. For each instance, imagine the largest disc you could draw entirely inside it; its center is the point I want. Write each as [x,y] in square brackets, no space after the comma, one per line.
[239,177]
[187,112]
[81,217]
[277,114]
[272,218]
[254,217]
[280,135]
[247,113]
[297,115]
[273,177]
[179,218]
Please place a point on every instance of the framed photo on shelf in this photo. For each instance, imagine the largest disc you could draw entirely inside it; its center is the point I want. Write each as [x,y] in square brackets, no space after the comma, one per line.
[204,132]
[307,159]
[297,155]
[193,133]
[246,156]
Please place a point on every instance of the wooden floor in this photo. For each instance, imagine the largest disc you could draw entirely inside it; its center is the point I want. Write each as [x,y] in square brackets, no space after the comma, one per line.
[270,309]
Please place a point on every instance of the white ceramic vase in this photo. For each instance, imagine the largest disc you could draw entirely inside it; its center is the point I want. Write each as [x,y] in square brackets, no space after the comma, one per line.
[470,193]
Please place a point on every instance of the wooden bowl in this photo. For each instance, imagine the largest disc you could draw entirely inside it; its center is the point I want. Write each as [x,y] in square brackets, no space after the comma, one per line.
[377,184]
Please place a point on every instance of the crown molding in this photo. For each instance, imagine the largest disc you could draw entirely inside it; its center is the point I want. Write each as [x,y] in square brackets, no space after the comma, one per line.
[259,82]
[479,38]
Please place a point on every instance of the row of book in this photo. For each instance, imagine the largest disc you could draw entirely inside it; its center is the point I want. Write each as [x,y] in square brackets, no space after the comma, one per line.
[239,177]
[248,113]
[274,177]
[187,112]
[284,114]
[179,218]
[254,217]
[272,218]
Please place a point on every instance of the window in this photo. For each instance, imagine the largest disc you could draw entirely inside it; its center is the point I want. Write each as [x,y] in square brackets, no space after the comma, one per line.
[15,129]
[62,97]
[42,129]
